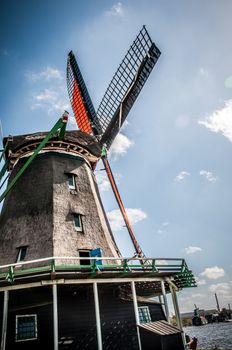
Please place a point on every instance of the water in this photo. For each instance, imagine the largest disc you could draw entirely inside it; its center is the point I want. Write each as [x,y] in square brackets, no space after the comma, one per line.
[212,335]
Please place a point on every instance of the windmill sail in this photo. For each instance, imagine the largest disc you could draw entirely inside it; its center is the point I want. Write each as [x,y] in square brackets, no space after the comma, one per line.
[126,85]
[119,98]
[82,106]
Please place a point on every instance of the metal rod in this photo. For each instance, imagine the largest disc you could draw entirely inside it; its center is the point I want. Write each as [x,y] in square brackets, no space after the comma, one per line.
[4,169]
[4,180]
[165,300]
[4,319]
[122,208]
[55,317]
[136,311]
[97,315]
[218,307]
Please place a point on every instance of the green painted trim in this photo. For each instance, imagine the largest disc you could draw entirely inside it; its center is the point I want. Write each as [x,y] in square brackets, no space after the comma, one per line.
[4,169]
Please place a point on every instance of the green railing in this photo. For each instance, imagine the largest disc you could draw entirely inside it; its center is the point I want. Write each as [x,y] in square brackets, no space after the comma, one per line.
[102,266]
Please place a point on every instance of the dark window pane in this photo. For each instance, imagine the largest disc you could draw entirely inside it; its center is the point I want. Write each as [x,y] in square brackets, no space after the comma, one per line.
[26,327]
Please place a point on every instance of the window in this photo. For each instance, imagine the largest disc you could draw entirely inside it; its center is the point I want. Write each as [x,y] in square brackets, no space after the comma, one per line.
[22,251]
[26,327]
[77,222]
[144,314]
[84,254]
[71,181]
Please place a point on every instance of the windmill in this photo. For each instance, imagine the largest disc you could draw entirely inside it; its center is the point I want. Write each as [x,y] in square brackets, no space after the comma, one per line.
[121,94]
[61,271]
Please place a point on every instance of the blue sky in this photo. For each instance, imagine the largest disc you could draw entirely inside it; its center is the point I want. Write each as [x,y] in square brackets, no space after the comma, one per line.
[172,160]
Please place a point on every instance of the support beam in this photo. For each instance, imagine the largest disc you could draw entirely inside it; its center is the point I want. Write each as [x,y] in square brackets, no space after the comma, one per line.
[177,312]
[55,317]
[121,206]
[165,300]
[97,314]
[4,319]
[136,311]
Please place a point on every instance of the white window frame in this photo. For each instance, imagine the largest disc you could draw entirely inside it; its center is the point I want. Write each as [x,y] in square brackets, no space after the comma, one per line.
[147,314]
[78,228]
[20,249]
[73,186]
[16,328]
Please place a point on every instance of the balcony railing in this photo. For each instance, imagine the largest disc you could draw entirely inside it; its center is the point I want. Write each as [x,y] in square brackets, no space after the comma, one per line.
[100,267]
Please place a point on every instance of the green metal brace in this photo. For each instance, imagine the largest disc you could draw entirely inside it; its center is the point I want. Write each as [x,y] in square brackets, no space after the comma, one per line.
[9,140]
[60,124]
[3,155]
[10,275]
[154,269]
[4,169]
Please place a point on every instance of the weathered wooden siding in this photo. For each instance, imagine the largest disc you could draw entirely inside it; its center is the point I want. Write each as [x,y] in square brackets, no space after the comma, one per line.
[38,212]
[83,201]
[31,301]
[27,213]
[76,315]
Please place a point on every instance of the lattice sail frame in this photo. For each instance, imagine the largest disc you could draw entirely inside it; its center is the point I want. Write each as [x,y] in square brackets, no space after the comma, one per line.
[119,98]
[120,95]
[82,105]
[126,85]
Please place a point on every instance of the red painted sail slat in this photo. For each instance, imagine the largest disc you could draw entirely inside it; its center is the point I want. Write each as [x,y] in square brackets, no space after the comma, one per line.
[79,110]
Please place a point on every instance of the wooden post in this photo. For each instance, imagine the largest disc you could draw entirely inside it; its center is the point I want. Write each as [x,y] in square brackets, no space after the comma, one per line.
[136,311]
[97,315]
[165,300]
[177,312]
[4,319]
[55,316]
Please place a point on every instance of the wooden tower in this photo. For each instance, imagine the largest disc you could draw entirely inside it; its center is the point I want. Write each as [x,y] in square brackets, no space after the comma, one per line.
[55,208]
[63,282]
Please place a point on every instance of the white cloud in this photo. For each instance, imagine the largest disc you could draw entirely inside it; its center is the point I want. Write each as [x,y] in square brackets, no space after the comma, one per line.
[120,146]
[198,295]
[204,72]
[223,289]
[220,121]
[47,95]
[49,90]
[116,220]
[208,175]
[103,182]
[200,282]
[116,10]
[50,100]
[214,272]
[160,231]
[47,74]
[166,223]
[192,250]
[181,176]
[228,82]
